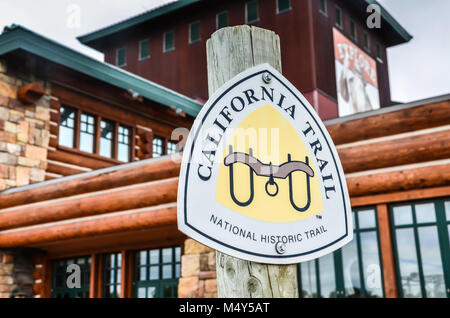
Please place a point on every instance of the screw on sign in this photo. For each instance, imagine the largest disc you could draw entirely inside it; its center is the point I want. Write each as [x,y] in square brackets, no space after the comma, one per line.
[260,181]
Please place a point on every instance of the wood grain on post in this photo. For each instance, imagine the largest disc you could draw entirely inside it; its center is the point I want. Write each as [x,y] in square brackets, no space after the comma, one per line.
[231,51]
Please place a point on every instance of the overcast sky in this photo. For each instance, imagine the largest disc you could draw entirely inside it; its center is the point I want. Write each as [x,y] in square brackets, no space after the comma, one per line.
[418,69]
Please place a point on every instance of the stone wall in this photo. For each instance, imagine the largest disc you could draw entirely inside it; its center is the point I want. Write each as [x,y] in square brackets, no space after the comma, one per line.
[198,271]
[24,134]
[16,273]
[24,138]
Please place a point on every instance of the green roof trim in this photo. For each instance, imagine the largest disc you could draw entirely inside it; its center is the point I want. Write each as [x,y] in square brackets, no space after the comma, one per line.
[18,37]
[146,16]
[392,22]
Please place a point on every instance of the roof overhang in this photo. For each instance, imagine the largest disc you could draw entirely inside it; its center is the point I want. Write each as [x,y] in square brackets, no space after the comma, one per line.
[20,38]
[143,17]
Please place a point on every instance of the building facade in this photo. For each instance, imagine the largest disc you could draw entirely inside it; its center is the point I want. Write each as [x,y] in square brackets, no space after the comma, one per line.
[89,164]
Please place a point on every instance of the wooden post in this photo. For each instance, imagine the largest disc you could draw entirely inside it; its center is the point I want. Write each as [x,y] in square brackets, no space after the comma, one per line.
[230,51]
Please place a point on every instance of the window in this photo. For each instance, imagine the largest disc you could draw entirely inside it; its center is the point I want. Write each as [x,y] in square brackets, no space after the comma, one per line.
[353,30]
[339,17]
[156,272]
[112,264]
[106,138]
[169,42]
[158,149]
[354,271]
[67,127]
[87,133]
[323,6]
[144,51]
[420,231]
[366,41]
[194,32]
[124,143]
[96,135]
[222,20]
[60,288]
[283,6]
[251,11]
[171,147]
[378,47]
[121,56]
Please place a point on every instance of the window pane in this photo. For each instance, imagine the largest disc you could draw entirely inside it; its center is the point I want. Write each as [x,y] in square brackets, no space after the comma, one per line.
[141,292]
[154,272]
[169,291]
[431,262]
[144,49]
[194,32]
[168,41]
[143,273]
[403,215]
[309,280]
[366,219]
[87,133]
[447,210]
[171,148]
[323,6]
[167,271]
[252,11]
[352,280]
[167,255]
[121,56]
[338,16]
[407,257]
[177,270]
[327,276]
[353,30]
[157,147]
[425,213]
[177,254]
[154,256]
[67,127]
[143,257]
[222,20]
[106,138]
[151,292]
[123,149]
[371,264]
[284,5]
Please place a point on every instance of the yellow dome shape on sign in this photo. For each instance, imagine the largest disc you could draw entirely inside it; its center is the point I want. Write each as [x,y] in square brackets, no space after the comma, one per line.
[265,171]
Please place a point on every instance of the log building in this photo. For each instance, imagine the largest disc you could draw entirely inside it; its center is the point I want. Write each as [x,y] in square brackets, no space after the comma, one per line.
[89,165]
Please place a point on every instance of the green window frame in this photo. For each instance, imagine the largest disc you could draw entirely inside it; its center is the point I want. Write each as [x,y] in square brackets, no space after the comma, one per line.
[378,48]
[366,41]
[353,32]
[251,12]
[221,20]
[156,272]
[354,271]
[111,278]
[283,6]
[59,287]
[169,41]
[194,32]
[144,49]
[121,57]
[323,7]
[420,234]
[339,17]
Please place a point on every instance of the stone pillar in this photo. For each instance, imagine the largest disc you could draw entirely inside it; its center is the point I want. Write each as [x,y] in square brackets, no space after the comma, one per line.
[24,138]
[24,134]
[16,273]
[198,271]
